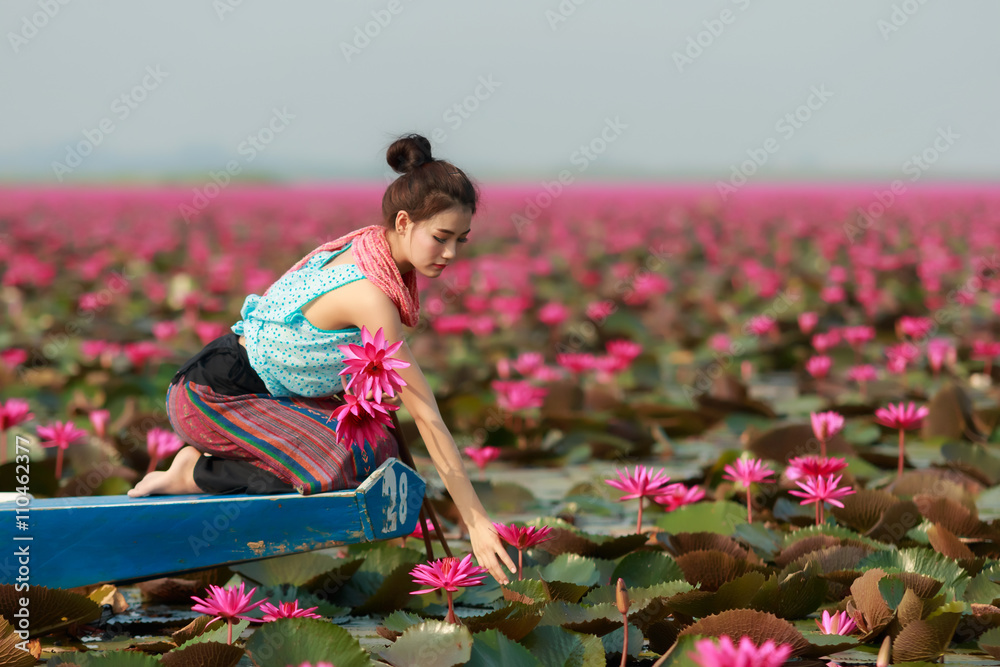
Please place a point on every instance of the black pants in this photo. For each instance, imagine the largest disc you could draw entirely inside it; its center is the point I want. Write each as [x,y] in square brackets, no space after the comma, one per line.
[223,365]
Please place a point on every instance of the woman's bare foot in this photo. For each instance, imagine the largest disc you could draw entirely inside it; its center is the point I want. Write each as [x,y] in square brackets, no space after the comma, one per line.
[178,479]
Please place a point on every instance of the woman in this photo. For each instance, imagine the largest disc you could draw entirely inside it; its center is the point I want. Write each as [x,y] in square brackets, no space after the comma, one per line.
[253,405]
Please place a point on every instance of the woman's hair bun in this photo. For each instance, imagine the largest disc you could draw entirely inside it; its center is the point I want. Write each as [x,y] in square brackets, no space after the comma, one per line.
[408,152]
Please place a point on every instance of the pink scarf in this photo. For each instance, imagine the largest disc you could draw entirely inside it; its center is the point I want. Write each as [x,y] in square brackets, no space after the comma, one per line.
[374,259]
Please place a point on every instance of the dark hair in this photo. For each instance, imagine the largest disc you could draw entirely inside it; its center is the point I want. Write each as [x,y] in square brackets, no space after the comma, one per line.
[427,186]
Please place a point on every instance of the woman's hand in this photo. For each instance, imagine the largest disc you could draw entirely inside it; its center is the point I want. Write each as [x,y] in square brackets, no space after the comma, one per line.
[489,549]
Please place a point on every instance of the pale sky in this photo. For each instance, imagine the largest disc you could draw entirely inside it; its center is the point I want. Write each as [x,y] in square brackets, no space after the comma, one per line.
[516,90]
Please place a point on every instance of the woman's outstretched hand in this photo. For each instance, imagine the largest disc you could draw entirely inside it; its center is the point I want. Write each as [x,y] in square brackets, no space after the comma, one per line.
[490,550]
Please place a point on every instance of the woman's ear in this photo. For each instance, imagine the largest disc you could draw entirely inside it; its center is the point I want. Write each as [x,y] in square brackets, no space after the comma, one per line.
[402,222]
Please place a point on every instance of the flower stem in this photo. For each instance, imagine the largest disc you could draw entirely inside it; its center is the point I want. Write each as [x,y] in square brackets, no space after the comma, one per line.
[624,640]
[749,515]
[520,564]
[822,447]
[817,513]
[899,474]
[152,465]
[229,633]
[638,524]
[451,610]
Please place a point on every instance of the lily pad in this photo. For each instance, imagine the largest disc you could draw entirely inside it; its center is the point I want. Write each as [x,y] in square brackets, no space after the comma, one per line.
[646,568]
[10,654]
[491,648]
[205,654]
[721,516]
[296,569]
[556,647]
[292,641]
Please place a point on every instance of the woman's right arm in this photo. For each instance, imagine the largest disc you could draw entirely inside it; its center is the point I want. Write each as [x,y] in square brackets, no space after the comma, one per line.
[377,311]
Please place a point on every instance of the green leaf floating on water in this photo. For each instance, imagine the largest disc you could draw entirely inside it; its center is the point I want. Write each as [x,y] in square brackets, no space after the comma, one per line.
[922,561]
[493,649]
[571,568]
[218,633]
[646,568]
[292,641]
[556,647]
[721,516]
[434,643]
[297,569]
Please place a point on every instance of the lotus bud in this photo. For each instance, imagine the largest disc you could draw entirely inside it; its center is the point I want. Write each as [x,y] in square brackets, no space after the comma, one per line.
[884,653]
[621,597]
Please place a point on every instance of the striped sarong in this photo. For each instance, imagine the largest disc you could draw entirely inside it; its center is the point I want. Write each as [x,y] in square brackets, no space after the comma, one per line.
[288,436]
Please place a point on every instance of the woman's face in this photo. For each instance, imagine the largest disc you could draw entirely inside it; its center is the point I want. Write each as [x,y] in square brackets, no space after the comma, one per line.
[434,242]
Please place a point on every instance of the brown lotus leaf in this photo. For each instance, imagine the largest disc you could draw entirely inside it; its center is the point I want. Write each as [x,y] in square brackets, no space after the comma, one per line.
[9,653]
[945,542]
[804,546]
[720,406]
[923,586]
[514,621]
[759,626]
[386,633]
[863,508]
[196,627]
[784,442]
[926,639]
[711,568]
[867,607]
[51,608]
[910,609]
[895,523]
[735,594]
[681,543]
[567,541]
[950,415]
[662,635]
[957,519]
[981,617]
[840,583]
[836,558]
[937,482]
[180,589]
[215,654]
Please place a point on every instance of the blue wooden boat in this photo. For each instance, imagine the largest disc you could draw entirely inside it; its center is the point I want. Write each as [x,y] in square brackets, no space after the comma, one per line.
[69,542]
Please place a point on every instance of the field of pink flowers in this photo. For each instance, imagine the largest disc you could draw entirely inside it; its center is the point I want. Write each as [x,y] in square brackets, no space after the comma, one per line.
[820,360]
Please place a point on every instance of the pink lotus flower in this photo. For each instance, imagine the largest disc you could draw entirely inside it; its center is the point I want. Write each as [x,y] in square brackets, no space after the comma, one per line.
[813,466]
[15,411]
[940,351]
[553,314]
[986,351]
[903,417]
[515,396]
[725,653]
[821,490]
[575,362]
[99,420]
[822,342]
[521,538]
[760,325]
[863,373]
[13,357]
[747,472]
[209,331]
[360,420]
[448,574]
[623,349]
[600,310]
[161,443]
[825,425]
[482,456]
[859,335]
[914,327]
[819,366]
[832,294]
[678,495]
[163,331]
[139,353]
[719,342]
[286,610]
[418,533]
[641,483]
[371,365]
[61,435]
[836,624]
[527,363]
[227,604]
[808,322]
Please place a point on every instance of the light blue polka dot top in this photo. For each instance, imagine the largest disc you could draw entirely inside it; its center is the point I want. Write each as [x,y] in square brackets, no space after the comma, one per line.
[290,354]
